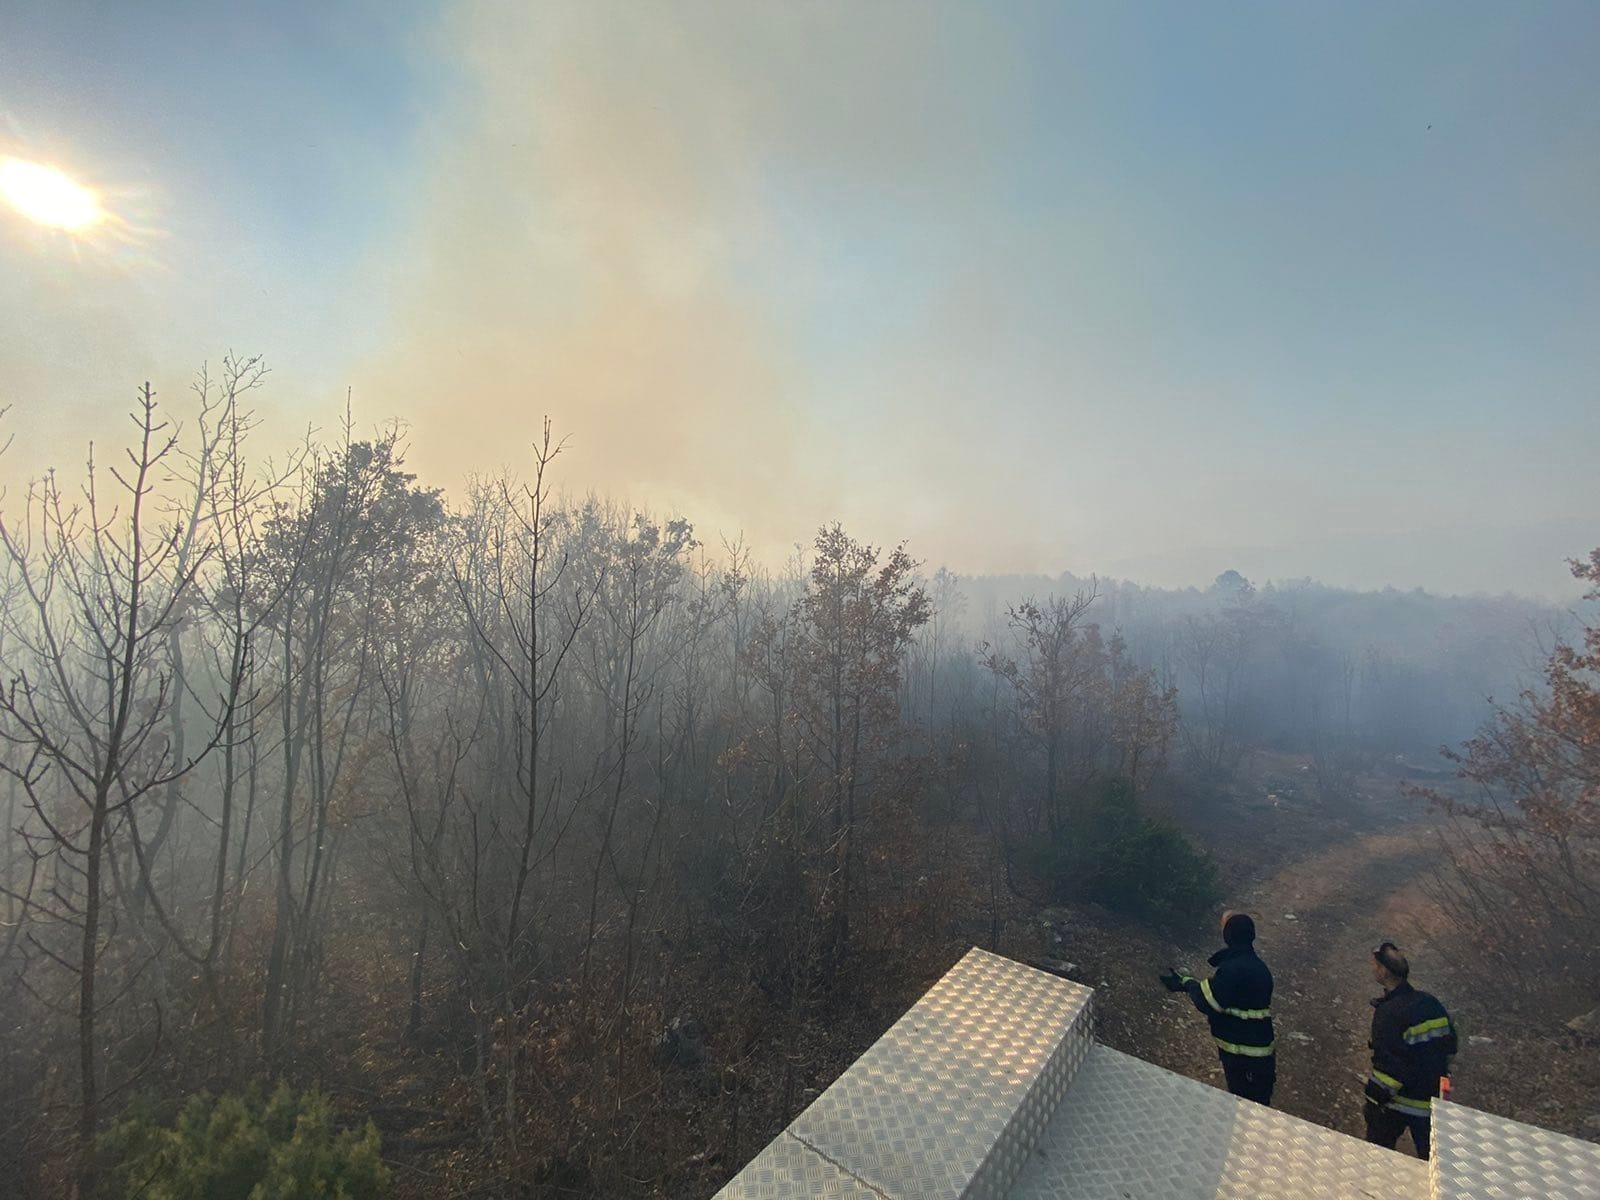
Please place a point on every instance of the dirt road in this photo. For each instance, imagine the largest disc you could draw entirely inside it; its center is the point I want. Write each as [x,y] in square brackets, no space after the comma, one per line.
[1325,888]
[1319,920]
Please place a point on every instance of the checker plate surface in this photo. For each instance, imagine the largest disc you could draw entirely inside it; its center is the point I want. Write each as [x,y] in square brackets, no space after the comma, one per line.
[788,1169]
[991,1088]
[1481,1157]
[947,1103]
[1129,1130]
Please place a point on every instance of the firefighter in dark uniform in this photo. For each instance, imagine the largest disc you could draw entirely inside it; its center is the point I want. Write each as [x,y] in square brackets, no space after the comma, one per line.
[1412,1041]
[1237,1001]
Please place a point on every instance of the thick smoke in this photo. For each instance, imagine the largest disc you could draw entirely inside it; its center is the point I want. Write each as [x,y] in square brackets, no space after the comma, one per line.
[608,232]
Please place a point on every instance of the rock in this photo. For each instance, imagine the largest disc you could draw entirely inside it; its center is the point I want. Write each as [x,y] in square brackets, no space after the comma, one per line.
[1586,1026]
[1057,966]
[1290,917]
[1478,1039]
[1297,1036]
[683,1042]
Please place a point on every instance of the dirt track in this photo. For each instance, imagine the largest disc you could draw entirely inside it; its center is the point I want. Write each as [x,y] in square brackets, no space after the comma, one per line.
[1344,901]
[1349,879]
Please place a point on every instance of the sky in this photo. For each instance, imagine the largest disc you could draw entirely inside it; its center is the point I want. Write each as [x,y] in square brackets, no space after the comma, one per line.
[1148,290]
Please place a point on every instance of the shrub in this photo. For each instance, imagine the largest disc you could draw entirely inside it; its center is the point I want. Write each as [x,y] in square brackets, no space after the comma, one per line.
[244,1147]
[1151,869]
[1131,863]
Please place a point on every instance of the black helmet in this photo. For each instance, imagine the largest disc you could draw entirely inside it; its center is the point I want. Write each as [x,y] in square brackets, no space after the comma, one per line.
[1239,929]
[1391,960]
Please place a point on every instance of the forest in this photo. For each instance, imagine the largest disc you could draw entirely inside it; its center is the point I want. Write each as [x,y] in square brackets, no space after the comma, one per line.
[509,840]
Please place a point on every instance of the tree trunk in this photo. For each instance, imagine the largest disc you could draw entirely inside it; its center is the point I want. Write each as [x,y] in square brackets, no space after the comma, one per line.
[89,1105]
[414,1018]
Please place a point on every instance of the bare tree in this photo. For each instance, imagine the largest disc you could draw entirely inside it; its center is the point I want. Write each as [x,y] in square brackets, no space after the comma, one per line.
[84,711]
[326,560]
[214,515]
[488,846]
[1213,651]
[855,621]
[1144,719]
[1048,680]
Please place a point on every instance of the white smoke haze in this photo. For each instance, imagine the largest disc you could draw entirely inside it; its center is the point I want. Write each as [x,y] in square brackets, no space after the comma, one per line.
[957,281]
[628,221]
[611,232]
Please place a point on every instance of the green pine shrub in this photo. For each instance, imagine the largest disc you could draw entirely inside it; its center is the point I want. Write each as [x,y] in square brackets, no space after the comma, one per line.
[1131,863]
[243,1147]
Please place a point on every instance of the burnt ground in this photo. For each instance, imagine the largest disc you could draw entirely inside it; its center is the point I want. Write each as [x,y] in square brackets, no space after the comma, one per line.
[1326,885]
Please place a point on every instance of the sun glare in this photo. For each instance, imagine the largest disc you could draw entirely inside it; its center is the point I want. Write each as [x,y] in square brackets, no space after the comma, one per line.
[48,197]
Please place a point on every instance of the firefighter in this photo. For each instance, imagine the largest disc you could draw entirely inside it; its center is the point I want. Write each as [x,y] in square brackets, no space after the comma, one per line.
[1237,1001]
[1412,1041]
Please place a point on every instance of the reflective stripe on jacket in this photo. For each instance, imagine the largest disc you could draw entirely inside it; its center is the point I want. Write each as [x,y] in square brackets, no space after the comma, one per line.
[1412,1041]
[1237,1001]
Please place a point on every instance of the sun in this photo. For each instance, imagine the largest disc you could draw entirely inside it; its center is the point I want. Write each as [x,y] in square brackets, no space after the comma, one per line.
[49,197]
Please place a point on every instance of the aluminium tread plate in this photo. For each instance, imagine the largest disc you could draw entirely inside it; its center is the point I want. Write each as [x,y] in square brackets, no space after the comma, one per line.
[991,1087]
[1129,1130]
[1477,1156]
[788,1169]
[949,1102]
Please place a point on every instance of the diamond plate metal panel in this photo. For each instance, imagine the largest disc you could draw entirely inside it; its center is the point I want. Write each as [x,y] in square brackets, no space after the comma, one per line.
[993,1080]
[790,1170]
[1477,1156]
[947,1103]
[1129,1130]
[1027,1125]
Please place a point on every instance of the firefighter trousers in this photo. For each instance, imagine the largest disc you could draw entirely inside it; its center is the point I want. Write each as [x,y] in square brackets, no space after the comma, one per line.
[1250,1078]
[1384,1127]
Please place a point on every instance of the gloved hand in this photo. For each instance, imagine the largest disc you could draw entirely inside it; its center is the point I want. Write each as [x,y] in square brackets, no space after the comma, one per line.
[1172,980]
[1378,1093]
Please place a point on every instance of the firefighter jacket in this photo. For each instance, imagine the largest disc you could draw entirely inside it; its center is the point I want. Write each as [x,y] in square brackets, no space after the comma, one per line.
[1237,1001]
[1412,1041]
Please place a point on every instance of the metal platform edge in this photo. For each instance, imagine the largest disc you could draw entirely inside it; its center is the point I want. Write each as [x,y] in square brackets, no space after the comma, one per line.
[937,1086]
[808,1159]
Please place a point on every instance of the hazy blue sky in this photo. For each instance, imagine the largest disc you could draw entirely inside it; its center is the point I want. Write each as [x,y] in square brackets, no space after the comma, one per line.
[1149,290]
